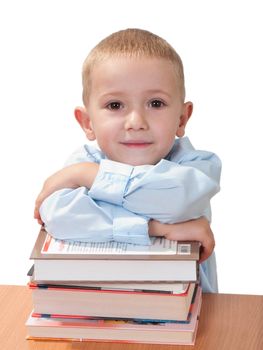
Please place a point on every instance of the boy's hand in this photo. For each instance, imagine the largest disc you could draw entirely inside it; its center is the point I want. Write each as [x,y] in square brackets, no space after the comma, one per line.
[193,230]
[73,176]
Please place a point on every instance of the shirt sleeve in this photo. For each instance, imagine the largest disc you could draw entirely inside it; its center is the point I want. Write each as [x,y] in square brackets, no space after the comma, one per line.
[72,215]
[168,192]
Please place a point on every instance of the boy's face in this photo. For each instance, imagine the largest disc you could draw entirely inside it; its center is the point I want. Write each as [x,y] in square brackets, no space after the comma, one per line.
[134,109]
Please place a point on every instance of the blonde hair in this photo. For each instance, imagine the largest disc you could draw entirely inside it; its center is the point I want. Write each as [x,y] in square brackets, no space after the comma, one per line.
[131,43]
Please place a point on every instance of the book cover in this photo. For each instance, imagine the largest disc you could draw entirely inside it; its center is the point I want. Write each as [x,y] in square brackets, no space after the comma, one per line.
[47,247]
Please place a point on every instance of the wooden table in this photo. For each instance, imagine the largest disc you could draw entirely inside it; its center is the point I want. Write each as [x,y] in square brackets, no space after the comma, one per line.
[227,322]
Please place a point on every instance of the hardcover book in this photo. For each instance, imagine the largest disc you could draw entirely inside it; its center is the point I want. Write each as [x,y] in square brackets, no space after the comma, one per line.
[163,260]
[83,301]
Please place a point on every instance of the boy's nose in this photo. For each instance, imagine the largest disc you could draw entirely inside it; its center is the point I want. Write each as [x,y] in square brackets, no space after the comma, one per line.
[136,120]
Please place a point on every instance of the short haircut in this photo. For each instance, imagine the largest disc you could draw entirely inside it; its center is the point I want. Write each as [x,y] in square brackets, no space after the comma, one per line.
[131,43]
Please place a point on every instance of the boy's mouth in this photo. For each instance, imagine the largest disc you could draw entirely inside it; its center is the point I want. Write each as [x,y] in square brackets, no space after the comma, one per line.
[136,143]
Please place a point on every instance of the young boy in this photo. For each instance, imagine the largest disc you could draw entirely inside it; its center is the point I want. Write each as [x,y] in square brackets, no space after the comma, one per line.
[141,181]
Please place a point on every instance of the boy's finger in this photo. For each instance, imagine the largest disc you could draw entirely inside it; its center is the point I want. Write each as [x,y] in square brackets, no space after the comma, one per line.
[36,213]
[37,216]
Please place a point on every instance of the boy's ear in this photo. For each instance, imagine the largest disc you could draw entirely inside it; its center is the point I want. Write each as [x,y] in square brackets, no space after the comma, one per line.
[84,121]
[186,114]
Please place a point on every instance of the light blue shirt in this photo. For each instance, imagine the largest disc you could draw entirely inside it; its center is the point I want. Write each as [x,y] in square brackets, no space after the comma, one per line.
[123,198]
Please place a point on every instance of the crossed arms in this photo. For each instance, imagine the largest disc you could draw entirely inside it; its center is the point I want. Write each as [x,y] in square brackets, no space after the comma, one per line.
[88,201]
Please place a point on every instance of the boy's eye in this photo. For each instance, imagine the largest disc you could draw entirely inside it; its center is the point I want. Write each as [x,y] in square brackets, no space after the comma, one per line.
[157,104]
[114,105]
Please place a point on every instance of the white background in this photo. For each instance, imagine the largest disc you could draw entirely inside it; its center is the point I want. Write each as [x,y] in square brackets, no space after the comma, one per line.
[43,45]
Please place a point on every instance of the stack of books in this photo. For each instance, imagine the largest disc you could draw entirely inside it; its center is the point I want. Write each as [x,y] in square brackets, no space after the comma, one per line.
[115,291]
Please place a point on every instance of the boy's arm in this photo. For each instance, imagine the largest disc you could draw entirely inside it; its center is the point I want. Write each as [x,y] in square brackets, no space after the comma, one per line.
[72,176]
[69,213]
[73,215]
[192,230]
[167,192]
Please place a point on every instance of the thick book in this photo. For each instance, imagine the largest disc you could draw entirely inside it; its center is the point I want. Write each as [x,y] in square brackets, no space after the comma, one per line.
[163,260]
[83,301]
[116,330]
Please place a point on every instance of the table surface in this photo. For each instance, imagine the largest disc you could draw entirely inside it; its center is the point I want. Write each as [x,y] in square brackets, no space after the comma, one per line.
[227,321]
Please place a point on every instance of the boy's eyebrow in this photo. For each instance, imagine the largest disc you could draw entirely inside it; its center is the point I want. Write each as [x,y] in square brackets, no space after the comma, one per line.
[122,93]
[158,91]
[112,93]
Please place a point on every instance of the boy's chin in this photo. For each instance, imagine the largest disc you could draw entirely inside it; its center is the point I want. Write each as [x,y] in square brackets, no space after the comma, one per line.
[134,161]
